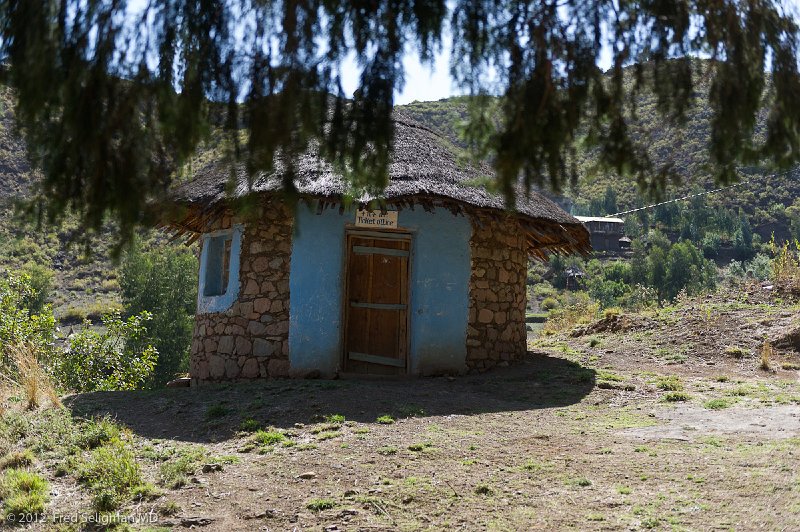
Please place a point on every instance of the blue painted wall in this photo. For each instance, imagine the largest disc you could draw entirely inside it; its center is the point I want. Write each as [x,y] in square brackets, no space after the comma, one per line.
[439,305]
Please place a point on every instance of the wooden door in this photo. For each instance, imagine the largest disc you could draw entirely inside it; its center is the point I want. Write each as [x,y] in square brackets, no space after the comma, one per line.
[376,326]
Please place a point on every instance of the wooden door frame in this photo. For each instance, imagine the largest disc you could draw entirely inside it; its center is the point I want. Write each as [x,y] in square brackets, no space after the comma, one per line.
[382,234]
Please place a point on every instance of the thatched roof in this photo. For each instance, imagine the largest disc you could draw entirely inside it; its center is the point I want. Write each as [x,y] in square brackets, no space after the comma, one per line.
[425,170]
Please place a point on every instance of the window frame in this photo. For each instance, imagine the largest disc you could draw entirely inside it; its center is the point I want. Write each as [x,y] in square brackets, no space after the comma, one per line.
[222,301]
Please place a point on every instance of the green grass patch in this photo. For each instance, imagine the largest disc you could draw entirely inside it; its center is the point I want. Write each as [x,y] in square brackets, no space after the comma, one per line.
[249,425]
[387,450]
[676,397]
[318,505]
[328,435]
[112,474]
[735,351]
[582,482]
[385,419]
[669,383]
[97,432]
[419,447]
[175,473]
[326,427]
[717,404]
[268,437]
[24,493]
[609,376]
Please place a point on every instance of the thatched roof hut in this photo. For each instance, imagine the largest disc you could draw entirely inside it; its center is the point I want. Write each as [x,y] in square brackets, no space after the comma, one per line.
[431,281]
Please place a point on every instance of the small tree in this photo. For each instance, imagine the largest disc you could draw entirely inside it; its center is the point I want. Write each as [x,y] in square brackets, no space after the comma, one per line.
[18,325]
[162,282]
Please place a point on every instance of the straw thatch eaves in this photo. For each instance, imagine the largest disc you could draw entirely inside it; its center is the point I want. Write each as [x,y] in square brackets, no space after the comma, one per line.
[425,170]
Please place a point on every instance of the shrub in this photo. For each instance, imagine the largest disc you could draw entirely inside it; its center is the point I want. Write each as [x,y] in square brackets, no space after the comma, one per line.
[580,309]
[20,326]
[717,404]
[544,290]
[549,303]
[35,382]
[217,411]
[249,425]
[483,489]
[108,360]
[786,265]
[385,419]
[40,279]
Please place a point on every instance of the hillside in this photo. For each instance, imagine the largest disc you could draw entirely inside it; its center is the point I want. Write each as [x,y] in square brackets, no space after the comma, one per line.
[85,277]
[763,200]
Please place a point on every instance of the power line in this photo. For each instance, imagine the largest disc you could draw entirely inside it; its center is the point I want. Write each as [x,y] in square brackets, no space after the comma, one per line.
[704,193]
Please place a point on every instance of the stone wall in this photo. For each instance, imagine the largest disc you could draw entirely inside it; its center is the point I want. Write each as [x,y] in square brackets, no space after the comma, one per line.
[250,340]
[496,329]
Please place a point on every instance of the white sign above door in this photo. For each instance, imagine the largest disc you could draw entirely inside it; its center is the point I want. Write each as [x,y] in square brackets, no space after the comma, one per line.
[377,219]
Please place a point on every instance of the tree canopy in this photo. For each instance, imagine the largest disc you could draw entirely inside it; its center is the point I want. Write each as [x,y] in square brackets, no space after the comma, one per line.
[115,96]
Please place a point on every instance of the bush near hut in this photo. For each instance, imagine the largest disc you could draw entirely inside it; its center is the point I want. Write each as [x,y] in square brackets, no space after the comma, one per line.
[162,282]
[107,360]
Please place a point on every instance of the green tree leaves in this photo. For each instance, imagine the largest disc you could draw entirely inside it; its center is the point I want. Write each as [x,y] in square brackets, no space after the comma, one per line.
[114,101]
[108,359]
[163,282]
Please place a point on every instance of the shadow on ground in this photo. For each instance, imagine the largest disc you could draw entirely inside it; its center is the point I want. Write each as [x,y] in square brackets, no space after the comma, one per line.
[214,413]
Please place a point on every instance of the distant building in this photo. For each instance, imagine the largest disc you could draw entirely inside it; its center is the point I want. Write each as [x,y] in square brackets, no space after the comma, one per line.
[573,277]
[607,234]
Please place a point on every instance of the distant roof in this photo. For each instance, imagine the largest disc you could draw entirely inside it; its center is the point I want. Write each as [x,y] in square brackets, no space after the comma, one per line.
[584,219]
[424,166]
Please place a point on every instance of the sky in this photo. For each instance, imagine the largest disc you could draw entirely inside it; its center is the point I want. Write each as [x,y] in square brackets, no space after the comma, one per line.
[422,82]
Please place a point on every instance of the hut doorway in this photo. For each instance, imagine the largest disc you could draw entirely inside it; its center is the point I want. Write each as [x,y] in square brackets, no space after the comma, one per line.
[376,302]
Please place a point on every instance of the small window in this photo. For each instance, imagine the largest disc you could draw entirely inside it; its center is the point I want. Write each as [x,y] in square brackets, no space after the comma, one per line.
[219,270]
[218,266]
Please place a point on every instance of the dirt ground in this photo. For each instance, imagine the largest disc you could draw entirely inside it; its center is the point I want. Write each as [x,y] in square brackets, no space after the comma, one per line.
[580,435]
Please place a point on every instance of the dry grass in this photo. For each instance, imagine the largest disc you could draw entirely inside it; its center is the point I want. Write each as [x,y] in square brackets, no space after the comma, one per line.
[766,356]
[32,378]
[578,313]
